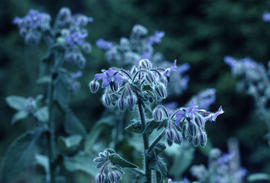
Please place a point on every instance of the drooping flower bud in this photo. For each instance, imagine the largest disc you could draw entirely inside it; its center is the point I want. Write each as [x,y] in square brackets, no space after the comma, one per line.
[196,140]
[100,178]
[161,91]
[145,63]
[178,139]
[158,114]
[30,105]
[94,86]
[106,100]
[170,134]
[192,129]
[203,139]
[122,104]
[114,86]
[150,78]
[131,100]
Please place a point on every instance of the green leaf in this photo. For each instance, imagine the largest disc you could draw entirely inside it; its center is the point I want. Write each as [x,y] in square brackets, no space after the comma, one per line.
[259,177]
[81,162]
[19,156]
[95,132]
[42,114]
[156,163]
[62,91]
[135,127]
[69,143]
[43,162]
[182,158]
[116,159]
[150,126]
[19,116]
[73,125]
[16,102]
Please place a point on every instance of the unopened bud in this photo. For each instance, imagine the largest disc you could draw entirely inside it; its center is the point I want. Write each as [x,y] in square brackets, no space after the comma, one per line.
[94,86]
[114,86]
[161,91]
[170,136]
[100,178]
[145,63]
[192,129]
[178,139]
[196,140]
[106,100]
[203,139]
[131,100]
[122,104]
[158,114]
[150,78]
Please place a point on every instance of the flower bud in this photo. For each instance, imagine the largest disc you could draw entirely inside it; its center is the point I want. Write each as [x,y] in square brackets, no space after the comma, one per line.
[158,114]
[94,86]
[161,91]
[203,139]
[196,140]
[30,105]
[64,13]
[100,178]
[138,31]
[114,86]
[122,104]
[112,177]
[178,139]
[106,100]
[131,100]
[145,63]
[170,136]
[124,44]
[150,78]
[192,129]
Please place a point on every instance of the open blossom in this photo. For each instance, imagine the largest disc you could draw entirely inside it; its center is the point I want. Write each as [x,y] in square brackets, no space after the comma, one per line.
[108,77]
[266,16]
[76,38]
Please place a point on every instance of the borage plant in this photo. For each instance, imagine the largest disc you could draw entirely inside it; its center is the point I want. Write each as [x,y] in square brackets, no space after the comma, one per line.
[141,90]
[49,112]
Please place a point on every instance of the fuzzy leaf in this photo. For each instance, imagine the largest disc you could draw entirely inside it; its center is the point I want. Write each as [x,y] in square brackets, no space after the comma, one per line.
[150,126]
[16,102]
[42,114]
[96,130]
[80,162]
[19,156]
[259,177]
[69,143]
[156,163]
[19,116]
[135,127]
[118,160]
[73,125]
[42,161]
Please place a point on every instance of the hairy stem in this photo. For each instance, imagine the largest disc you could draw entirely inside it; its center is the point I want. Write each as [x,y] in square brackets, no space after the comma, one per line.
[157,139]
[51,132]
[145,143]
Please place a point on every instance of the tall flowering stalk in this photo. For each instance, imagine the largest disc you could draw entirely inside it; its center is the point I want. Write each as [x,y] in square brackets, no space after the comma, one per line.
[65,40]
[142,89]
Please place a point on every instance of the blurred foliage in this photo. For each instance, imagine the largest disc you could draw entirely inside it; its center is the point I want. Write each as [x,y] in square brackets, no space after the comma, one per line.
[198,32]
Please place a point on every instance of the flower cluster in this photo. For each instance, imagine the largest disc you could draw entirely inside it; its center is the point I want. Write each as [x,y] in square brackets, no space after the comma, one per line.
[69,31]
[131,50]
[255,78]
[33,25]
[109,172]
[140,46]
[188,122]
[220,169]
[124,88]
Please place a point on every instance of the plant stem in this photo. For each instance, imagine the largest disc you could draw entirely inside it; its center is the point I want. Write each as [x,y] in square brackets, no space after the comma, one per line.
[51,132]
[157,139]
[145,143]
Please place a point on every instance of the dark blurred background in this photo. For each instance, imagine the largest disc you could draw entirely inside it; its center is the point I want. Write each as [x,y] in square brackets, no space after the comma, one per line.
[198,32]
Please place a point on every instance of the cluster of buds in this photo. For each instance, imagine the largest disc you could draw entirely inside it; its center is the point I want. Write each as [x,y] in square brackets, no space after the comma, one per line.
[188,123]
[130,51]
[125,88]
[69,31]
[72,30]
[108,173]
[33,25]
[220,169]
